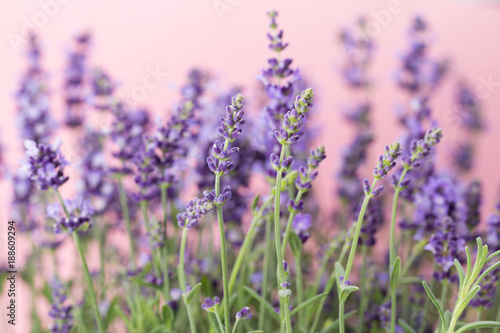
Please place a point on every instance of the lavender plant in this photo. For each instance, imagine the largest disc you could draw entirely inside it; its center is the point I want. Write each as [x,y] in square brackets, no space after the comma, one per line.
[134,176]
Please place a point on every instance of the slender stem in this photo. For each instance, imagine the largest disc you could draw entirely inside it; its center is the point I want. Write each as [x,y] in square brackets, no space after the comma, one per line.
[223,255]
[247,243]
[362,291]
[265,271]
[341,317]
[221,326]
[277,236]
[289,224]
[329,287]
[102,254]
[444,293]
[126,216]
[352,253]
[90,285]
[426,305]
[181,272]
[298,286]
[86,273]
[235,325]
[166,279]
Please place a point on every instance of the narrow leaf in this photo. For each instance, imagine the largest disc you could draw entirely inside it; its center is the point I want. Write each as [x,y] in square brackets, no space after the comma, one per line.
[193,292]
[436,304]
[310,301]
[335,324]
[479,324]
[406,327]
[262,301]
[396,269]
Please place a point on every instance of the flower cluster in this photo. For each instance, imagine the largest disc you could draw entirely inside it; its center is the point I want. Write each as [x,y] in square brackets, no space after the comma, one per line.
[102,90]
[74,84]
[244,314]
[58,311]
[75,215]
[211,305]
[302,224]
[194,210]
[44,164]
[387,161]
[32,98]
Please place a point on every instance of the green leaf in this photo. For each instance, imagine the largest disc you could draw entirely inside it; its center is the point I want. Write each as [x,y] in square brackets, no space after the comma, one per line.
[310,301]
[110,315]
[257,331]
[295,244]
[406,327]
[346,291]
[461,273]
[478,324]
[168,313]
[436,304]
[193,292]
[255,202]
[213,322]
[262,301]
[396,270]
[150,315]
[125,319]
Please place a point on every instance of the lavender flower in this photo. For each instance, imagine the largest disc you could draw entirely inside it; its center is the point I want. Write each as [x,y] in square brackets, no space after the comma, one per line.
[45,164]
[244,314]
[387,161]
[469,108]
[306,176]
[194,210]
[102,90]
[33,99]
[156,235]
[493,223]
[80,214]
[210,304]
[59,312]
[75,80]
[446,245]
[302,224]
[373,219]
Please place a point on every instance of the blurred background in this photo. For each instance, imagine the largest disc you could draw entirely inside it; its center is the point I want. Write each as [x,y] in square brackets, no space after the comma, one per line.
[132,39]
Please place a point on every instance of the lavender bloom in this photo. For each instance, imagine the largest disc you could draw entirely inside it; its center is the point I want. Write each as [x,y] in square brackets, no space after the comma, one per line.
[446,245]
[387,161]
[80,214]
[22,202]
[75,80]
[244,314]
[306,176]
[45,165]
[493,223]
[146,178]
[194,210]
[359,53]
[469,108]
[156,235]
[127,133]
[385,317]
[59,312]
[419,74]
[210,304]
[463,157]
[102,90]
[302,224]
[373,219]
[32,98]
[473,200]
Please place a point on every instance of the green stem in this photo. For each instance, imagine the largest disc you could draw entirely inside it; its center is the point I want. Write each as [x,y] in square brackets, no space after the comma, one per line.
[223,255]
[90,285]
[166,283]
[86,273]
[444,294]
[221,326]
[235,325]
[247,243]
[102,242]
[298,286]
[362,291]
[126,216]
[277,236]
[352,253]
[289,224]
[181,272]
[265,271]
[329,286]
[426,305]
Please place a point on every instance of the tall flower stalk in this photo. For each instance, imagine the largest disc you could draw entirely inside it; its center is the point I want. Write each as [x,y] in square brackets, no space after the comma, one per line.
[385,164]
[292,123]
[419,150]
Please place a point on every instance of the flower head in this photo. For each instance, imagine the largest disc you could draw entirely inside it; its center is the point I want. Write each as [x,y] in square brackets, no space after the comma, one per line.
[77,215]
[59,312]
[210,304]
[387,161]
[244,314]
[44,164]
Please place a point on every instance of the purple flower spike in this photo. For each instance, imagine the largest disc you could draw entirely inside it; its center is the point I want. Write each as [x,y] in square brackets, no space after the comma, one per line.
[244,314]
[59,312]
[302,224]
[210,304]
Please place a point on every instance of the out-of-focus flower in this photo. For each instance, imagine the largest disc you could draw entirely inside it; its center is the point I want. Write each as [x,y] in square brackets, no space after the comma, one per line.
[44,164]
[59,312]
[80,214]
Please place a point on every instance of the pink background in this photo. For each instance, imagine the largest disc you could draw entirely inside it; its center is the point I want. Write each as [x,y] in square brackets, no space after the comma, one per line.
[129,36]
